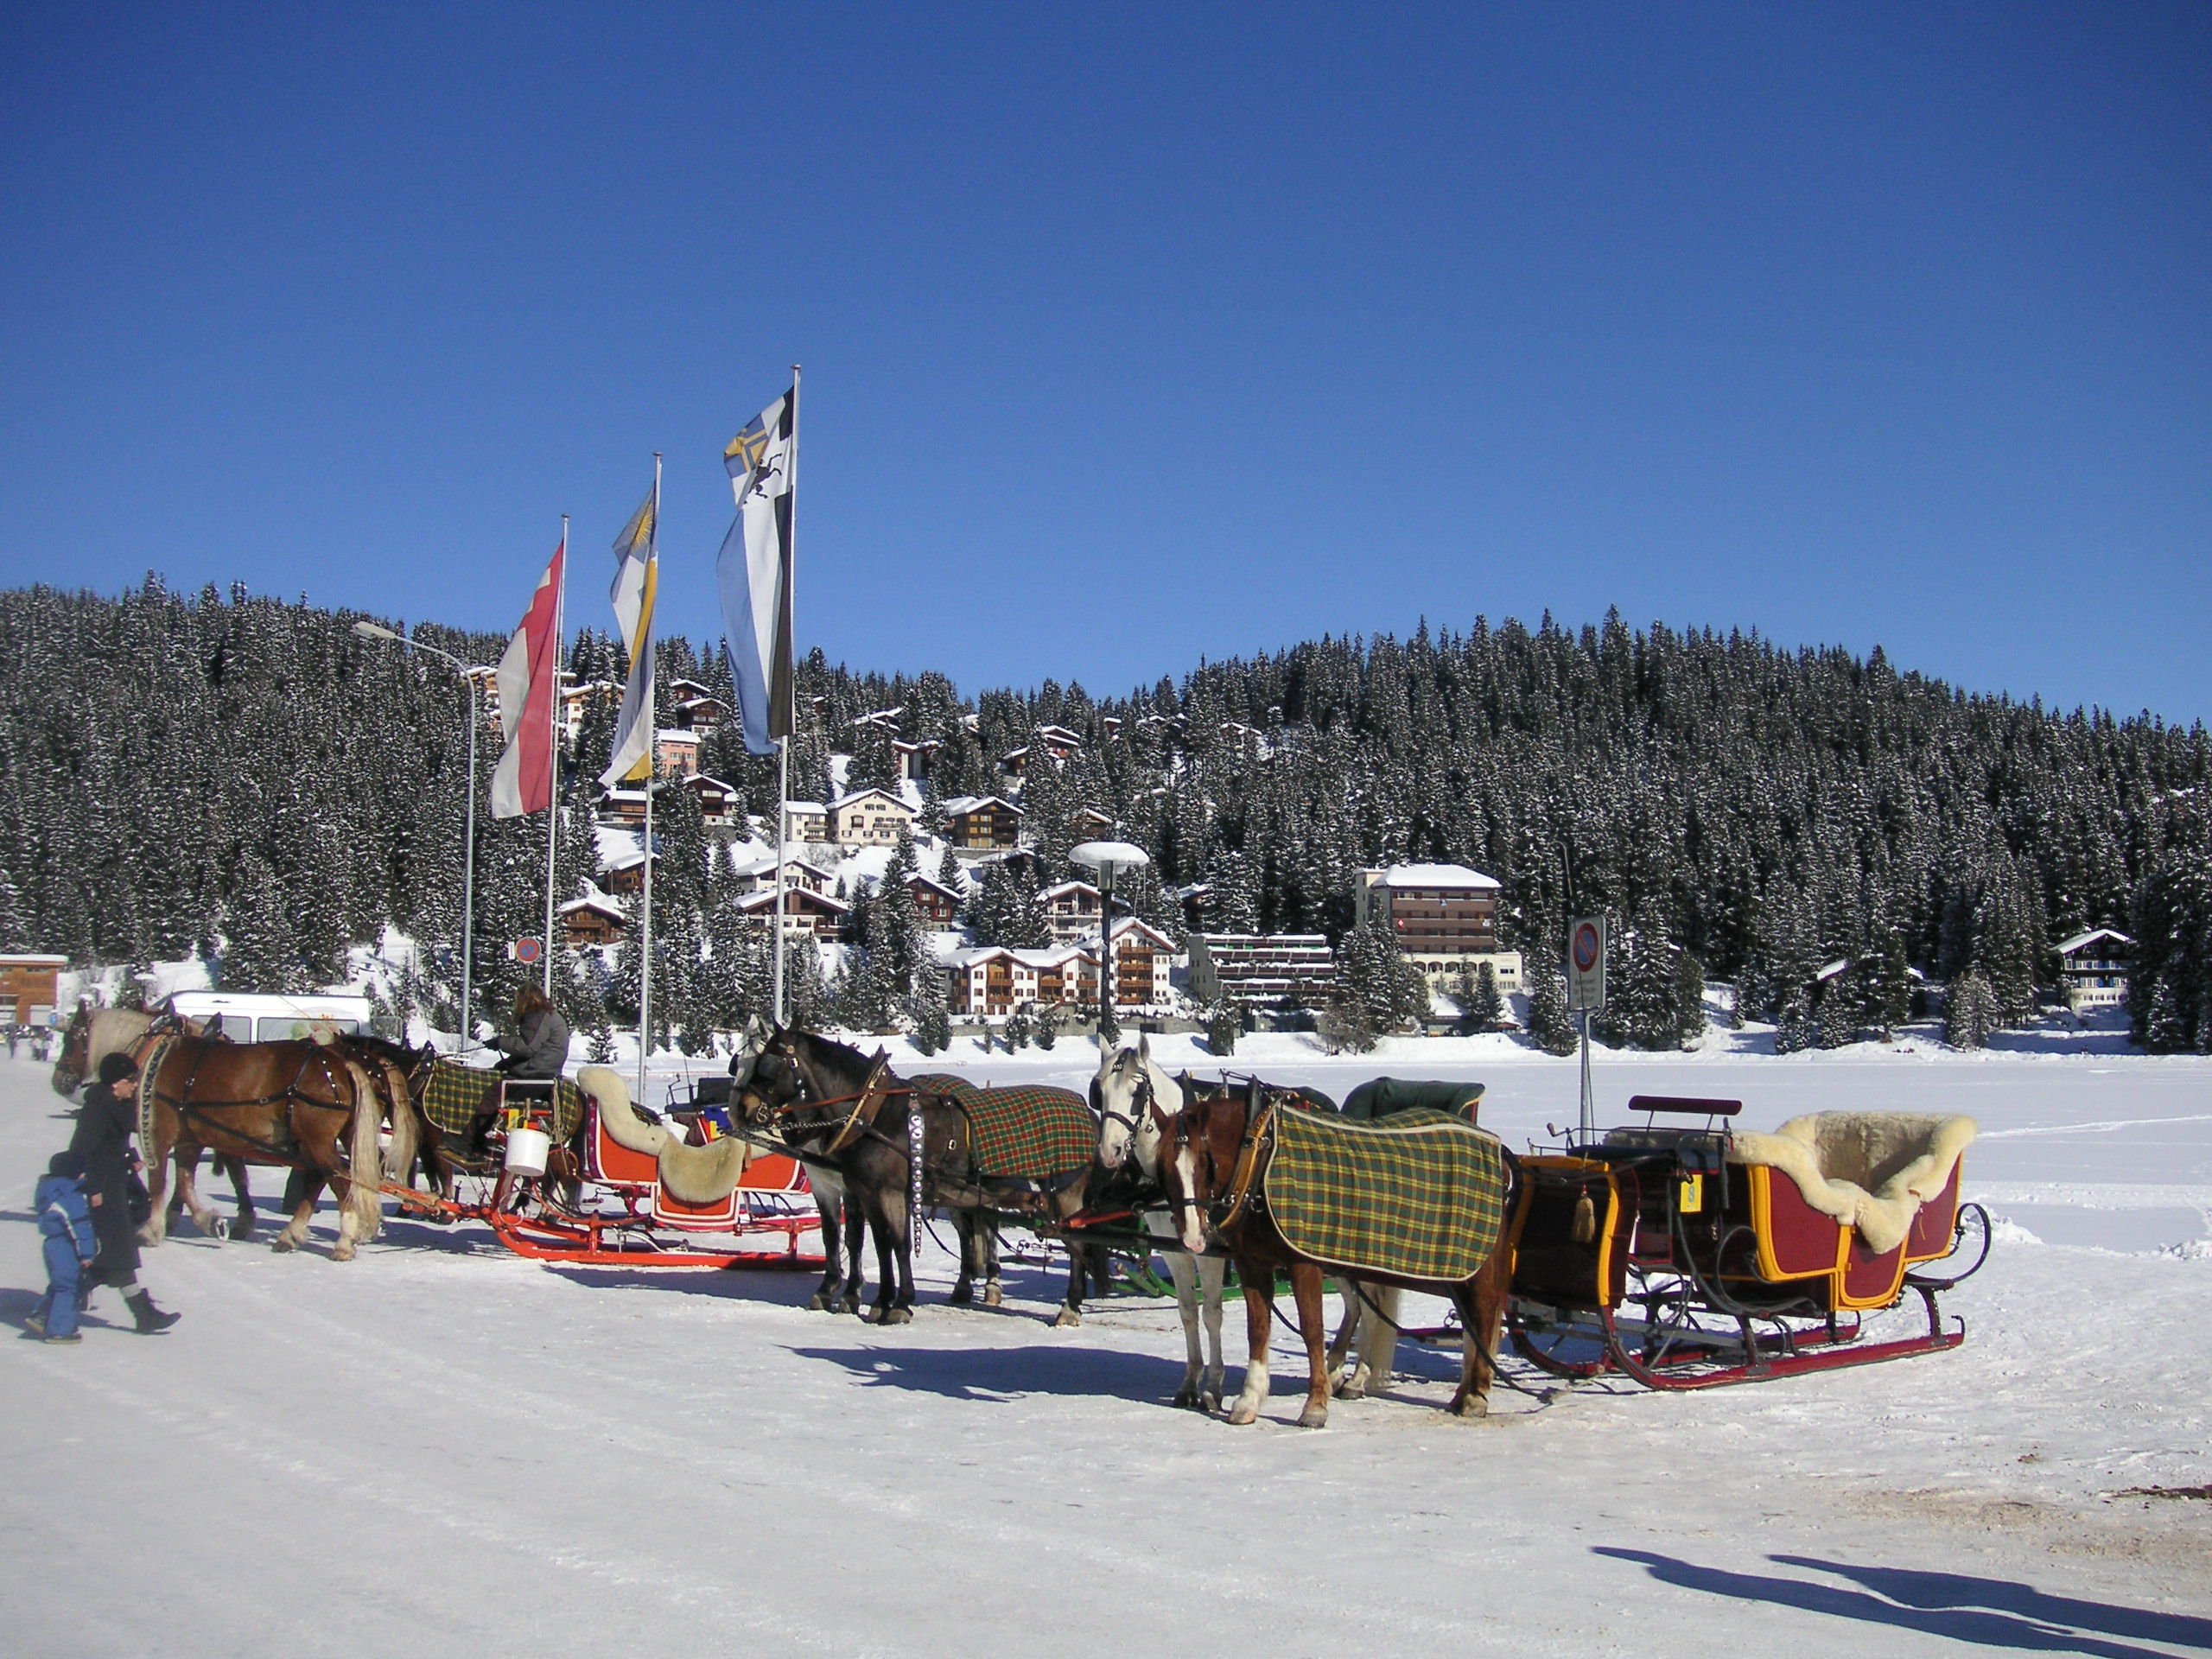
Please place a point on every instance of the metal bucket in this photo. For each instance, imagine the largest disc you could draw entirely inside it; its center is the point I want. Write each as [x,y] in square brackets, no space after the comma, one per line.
[527,1150]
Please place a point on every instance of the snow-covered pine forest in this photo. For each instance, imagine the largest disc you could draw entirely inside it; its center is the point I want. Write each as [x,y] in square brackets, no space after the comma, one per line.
[246,779]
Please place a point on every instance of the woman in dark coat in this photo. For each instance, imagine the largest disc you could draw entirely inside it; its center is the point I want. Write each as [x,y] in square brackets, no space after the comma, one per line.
[105,1125]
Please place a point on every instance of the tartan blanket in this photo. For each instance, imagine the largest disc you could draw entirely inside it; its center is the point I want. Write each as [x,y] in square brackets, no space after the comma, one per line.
[451,1097]
[1030,1130]
[1388,1097]
[1420,1194]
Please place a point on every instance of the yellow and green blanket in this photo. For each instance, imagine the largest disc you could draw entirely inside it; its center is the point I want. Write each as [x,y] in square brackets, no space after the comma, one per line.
[1419,1194]
[453,1092]
[1030,1130]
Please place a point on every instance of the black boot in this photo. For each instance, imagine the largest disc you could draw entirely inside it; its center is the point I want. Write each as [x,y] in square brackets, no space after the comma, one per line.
[151,1320]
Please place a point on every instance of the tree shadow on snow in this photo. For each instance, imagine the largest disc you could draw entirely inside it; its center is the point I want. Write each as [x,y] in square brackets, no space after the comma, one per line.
[1989,1612]
[999,1374]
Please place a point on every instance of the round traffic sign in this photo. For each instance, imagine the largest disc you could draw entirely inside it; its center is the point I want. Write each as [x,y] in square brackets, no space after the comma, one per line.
[526,950]
[1585,947]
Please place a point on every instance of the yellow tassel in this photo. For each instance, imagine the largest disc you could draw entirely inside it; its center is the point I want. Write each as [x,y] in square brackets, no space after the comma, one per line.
[1585,1219]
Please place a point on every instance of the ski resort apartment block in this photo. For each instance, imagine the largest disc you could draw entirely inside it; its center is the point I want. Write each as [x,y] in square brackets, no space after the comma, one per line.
[1443,917]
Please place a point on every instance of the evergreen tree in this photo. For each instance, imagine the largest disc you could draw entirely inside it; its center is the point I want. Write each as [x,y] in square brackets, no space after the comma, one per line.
[1971,1011]
[1550,1026]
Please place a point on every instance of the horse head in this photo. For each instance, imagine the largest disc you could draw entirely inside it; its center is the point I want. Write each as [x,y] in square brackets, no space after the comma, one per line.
[76,1061]
[1197,1161]
[1134,1099]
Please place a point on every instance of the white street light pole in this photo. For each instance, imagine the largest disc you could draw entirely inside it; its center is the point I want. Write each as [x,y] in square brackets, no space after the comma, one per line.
[1107,857]
[372,630]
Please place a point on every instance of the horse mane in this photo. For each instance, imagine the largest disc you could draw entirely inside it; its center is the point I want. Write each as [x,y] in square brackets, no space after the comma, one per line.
[831,1052]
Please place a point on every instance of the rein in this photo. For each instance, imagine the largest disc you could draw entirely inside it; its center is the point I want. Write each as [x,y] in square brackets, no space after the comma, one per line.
[158,1045]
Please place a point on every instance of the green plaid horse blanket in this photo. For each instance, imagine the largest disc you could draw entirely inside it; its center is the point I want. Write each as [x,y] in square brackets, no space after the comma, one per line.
[1419,1194]
[1025,1129]
[453,1092]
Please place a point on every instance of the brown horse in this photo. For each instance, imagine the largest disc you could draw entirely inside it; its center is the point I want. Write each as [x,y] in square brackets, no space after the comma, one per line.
[92,1034]
[1214,1156]
[308,1105]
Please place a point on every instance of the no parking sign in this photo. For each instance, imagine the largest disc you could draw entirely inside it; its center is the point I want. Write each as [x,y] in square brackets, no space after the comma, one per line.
[1586,963]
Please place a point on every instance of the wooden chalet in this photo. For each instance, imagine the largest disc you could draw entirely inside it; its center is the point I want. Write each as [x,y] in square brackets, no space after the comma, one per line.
[591,921]
[625,873]
[804,911]
[1071,911]
[806,821]
[2093,969]
[982,822]
[760,875]
[28,986]
[717,800]
[936,905]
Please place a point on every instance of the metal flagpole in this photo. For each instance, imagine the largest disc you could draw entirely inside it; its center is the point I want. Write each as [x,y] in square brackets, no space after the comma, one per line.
[553,758]
[469,871]
[652,756]
[783,813]
[783,744]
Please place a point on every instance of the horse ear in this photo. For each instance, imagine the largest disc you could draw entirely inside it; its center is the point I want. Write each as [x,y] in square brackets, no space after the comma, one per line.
[1144,1048]
[1105,1048]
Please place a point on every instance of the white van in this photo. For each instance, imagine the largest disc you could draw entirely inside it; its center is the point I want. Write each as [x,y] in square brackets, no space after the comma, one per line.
[250,1018]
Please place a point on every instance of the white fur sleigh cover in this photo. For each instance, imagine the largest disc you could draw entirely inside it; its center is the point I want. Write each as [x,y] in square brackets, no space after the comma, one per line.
[704,1174]
[1869,1170]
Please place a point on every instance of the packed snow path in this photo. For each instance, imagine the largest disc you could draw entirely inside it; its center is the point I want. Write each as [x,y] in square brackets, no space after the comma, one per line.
[440,1447]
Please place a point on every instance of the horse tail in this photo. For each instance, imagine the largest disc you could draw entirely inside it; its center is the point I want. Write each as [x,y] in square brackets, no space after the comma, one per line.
[365,1162]
[401,1103]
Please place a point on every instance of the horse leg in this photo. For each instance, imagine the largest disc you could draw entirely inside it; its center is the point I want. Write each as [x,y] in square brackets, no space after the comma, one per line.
[1186,1274]
[856,1288]
[1376,1328]
[1481,1301]
[1258,1319]
[987,1241]
[1071,1308]
[964,1287]
[1306,1290]
[157,1158]
[1213,1272]
[301,1192]
[831,1217]
[886,1257]
[187,1196]
[242,1225]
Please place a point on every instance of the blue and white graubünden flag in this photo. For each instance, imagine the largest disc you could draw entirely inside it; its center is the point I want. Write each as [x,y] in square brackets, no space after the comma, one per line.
[754,572]
[637,574]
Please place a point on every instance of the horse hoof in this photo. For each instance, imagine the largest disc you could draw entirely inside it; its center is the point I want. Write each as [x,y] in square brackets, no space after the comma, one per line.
[993,1296]
[1473,1406]
[1067,1317]
[1210,1403]
[1186,1397]
[1313,1417]
[283,1246]
[818,1303]
[962,1296]
[342,1253]
[895,1316]
[1241,1413]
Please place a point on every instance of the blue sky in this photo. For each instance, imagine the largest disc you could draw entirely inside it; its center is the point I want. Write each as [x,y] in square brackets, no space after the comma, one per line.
[1140,334]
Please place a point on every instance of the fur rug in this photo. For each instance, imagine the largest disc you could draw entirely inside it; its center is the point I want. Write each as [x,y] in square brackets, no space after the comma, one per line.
[1869,1170]
[704,1174]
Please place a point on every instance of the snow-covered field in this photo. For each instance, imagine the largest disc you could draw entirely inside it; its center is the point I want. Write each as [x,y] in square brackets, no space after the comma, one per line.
[440,1447]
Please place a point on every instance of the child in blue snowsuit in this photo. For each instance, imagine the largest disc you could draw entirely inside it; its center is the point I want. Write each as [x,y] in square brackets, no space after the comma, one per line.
[64,1218]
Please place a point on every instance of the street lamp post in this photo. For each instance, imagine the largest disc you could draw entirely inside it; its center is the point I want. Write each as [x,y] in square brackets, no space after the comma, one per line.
[372,630]
[1106,858]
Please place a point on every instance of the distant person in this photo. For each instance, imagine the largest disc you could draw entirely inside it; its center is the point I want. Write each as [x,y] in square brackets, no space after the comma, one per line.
[64,1222]
[105,1123]
[14,1036]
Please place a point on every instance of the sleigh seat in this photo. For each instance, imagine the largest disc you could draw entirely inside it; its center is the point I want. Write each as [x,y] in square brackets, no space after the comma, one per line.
[1854,1199]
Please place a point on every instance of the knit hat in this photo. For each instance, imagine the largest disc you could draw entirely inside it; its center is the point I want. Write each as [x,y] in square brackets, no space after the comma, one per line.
[114,1068]
[69,1166]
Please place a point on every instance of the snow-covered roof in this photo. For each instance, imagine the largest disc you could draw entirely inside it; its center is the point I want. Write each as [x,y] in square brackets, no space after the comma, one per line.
[604,906]
[971,803]
[675,735]
[704,781]
[767,900]
[1841,964]
[2067,947]
[1435,875]
[805,806]
[843,801]
[1065,887]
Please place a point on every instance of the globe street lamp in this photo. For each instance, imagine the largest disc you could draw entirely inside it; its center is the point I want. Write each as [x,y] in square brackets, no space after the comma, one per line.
[372,630]
[1108,858]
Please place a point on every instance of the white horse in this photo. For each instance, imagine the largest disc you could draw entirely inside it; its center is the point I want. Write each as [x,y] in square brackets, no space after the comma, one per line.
[1135,1099]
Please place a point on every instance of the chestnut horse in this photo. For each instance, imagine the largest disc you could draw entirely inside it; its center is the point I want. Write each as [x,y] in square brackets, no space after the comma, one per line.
[93,1033]
[1210,1159]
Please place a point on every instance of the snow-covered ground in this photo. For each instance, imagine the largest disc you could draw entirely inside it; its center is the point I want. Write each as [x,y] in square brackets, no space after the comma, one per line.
[442,1447]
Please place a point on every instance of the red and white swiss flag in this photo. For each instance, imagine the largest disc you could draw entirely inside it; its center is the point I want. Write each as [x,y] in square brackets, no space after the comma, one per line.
[529,674]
